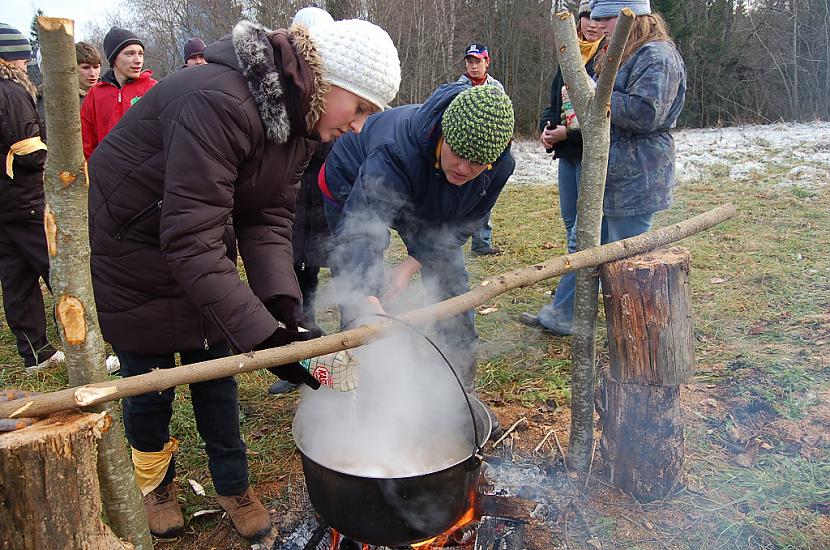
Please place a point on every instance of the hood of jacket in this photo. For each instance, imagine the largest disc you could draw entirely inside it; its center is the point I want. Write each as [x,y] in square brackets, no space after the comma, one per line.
[268,59]
[19,76]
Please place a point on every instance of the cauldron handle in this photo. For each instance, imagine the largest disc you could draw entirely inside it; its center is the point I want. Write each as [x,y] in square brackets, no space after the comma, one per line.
[475,459]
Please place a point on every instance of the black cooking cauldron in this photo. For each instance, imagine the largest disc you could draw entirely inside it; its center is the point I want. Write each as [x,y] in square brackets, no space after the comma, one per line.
[396,512]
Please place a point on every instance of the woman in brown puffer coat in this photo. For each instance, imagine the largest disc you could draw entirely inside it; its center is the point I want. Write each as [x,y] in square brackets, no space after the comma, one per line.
[229,138]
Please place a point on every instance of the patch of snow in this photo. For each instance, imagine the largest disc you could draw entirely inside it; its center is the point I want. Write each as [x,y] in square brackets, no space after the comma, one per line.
[739,151]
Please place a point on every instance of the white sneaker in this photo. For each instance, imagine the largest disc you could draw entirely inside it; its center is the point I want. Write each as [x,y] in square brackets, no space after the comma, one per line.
[57,358]
[113,364]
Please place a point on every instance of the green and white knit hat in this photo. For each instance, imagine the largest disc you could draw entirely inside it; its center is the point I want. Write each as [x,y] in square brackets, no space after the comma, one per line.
[13,45]
[478,124]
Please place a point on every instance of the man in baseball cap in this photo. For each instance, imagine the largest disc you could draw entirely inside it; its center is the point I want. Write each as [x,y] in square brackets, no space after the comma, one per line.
[477,63]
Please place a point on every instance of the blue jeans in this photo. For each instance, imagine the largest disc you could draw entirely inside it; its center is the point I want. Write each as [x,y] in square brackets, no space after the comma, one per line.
[570,172]
[483,237]
[559,314]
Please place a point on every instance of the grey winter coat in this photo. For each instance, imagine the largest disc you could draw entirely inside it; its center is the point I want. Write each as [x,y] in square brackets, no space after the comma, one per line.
[647,99]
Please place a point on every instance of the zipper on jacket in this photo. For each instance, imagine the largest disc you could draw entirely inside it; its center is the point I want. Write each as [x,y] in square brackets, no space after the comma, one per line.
[141,216]
[204,332]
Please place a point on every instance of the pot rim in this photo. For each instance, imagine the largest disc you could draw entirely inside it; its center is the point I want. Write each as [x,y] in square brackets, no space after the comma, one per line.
[480,411]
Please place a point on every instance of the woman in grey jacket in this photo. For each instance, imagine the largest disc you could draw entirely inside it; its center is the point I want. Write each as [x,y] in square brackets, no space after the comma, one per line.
[648,96]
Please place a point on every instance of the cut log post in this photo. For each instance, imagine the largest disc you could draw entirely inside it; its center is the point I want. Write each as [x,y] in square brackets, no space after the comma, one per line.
[648,312]
[49,495]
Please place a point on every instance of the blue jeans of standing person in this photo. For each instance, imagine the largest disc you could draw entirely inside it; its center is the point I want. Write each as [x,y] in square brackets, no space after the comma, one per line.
[483,237]
[215,407]
[558,316]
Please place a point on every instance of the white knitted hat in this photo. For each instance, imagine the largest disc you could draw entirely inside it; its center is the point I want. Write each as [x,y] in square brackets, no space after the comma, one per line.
[360,57]
[312,16]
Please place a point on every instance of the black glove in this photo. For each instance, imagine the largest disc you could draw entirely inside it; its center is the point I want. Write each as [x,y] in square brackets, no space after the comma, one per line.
[286,310]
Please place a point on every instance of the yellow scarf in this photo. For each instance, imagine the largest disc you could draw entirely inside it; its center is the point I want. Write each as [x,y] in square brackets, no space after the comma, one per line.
[588,49]
[150,468]
[23,147]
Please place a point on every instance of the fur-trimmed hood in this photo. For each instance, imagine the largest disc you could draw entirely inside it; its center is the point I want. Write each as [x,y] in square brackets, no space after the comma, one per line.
[252,50]
[20,76]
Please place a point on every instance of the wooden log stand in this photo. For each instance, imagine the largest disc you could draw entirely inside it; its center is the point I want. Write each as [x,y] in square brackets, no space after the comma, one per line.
[648,311]
[49,493]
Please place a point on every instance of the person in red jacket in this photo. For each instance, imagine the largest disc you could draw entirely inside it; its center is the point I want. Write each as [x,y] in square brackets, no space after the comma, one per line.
[119,88]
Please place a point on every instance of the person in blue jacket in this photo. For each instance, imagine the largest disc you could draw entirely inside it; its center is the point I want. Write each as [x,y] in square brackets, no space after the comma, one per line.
[431,172]
[647,99]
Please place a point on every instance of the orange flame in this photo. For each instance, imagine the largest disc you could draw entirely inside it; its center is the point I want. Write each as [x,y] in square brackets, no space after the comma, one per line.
[442,539]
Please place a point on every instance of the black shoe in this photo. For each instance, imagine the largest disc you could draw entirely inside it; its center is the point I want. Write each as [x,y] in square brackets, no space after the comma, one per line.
[281,387]
[558,329]
[489,251]
[529,319]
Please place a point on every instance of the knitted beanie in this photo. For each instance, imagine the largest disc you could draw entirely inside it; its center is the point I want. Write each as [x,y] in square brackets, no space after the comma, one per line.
[478,123]
[13,45]
[360,57]
[611,8]
[194,46]
[312,16]
[116,40]
[584,8]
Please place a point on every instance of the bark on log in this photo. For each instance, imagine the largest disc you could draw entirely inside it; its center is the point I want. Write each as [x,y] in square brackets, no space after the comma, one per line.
[66,184]
[49,494]
[648,311]
[593,109]
[642,439]
[162,379]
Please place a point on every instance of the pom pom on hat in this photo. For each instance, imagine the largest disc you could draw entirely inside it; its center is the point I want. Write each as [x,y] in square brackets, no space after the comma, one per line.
[360,57]
[13,45]
[312,16]
[478,123]
[611,8]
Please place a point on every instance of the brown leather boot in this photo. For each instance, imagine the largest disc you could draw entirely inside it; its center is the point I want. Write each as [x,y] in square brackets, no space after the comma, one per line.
[163,512]
[248,515]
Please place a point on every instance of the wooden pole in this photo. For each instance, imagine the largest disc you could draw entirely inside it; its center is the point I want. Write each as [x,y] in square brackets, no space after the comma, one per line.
[593,109]
[50,487]
[67,233]
[648,309]
[158,380]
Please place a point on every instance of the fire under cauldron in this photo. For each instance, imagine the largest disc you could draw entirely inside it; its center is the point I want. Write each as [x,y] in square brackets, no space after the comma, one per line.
[396,511]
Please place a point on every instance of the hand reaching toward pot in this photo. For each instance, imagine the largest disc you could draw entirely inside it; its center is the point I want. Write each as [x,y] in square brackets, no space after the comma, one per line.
[399,277]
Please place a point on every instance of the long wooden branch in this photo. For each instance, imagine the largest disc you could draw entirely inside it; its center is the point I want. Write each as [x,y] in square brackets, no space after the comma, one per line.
[158,380]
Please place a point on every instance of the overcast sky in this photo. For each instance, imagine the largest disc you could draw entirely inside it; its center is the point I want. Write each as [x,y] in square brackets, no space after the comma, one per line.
[19,13]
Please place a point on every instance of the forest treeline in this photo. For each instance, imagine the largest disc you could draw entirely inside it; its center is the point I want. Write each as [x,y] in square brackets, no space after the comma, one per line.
[747,61]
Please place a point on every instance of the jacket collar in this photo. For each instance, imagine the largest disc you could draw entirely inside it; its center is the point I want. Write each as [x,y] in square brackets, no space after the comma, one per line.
[109,78]
[255,54]
[19,76]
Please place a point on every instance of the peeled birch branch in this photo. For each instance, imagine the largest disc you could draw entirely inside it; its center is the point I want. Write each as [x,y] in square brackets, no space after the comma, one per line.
[158,380]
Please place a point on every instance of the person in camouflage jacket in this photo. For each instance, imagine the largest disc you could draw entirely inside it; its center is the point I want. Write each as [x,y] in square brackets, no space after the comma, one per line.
[648,96]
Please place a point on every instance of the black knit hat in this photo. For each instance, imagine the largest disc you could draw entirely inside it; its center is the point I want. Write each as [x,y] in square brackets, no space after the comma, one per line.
[116,40]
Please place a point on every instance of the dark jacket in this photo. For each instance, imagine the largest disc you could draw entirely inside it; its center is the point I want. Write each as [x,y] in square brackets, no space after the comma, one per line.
[570,148]
[648,97]
[21,197]
[312,238]
[387,176]
[197,148]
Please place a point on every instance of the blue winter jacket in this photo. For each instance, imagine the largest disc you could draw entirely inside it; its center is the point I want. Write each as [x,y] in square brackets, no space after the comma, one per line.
[387,177]
[647,99]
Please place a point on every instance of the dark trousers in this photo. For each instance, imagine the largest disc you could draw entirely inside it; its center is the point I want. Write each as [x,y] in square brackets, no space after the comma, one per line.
[215,406]
[309,278]
[24,260]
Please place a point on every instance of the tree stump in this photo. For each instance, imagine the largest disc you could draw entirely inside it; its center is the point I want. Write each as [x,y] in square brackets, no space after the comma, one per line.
[648,312]
[49,494]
